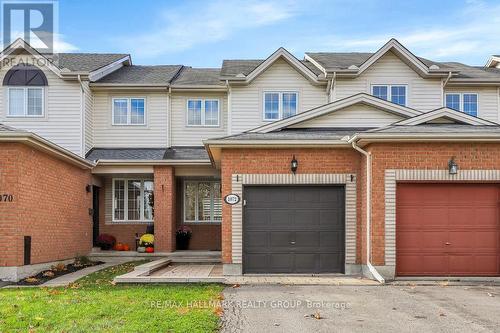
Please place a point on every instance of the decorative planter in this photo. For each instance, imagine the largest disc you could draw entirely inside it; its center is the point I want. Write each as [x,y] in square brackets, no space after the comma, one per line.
[182,242]
[141,249]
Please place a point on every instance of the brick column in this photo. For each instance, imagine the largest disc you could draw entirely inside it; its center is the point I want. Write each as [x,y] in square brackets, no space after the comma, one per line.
[164,205]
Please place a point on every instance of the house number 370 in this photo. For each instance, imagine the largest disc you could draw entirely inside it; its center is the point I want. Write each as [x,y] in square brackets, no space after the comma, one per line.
[6,197]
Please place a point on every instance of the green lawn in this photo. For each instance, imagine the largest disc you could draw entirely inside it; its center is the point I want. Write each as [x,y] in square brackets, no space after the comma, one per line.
[95,304]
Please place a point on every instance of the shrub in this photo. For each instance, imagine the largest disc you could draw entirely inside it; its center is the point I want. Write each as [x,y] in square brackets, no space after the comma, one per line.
[106,242]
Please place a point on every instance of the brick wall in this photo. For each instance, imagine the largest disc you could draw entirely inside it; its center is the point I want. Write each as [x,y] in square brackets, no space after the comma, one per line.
[164,218]
[268,161]
[50,205]
[420,156]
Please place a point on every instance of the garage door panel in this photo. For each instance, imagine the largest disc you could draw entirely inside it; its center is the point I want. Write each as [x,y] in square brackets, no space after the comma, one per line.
[306,218]
[304,229]
[455,234]
[411,264]
[331,239]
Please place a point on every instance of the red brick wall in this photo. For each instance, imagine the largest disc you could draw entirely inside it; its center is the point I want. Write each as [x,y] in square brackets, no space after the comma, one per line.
[266,161]
[164,218]
[50,205]
[420,156]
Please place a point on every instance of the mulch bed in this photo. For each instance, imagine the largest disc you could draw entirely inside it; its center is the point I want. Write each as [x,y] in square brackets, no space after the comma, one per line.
[43,276]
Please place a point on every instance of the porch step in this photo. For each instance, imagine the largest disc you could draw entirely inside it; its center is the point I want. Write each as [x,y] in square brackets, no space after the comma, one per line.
[178,256]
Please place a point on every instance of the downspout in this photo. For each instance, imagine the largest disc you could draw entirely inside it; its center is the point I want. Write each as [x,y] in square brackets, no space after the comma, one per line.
[82,112]
[169,116]
[368,156]
[229,107]
[333,83]
[443,85]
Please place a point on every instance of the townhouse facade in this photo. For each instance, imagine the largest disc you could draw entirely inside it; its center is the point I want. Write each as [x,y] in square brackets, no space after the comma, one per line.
[385,163]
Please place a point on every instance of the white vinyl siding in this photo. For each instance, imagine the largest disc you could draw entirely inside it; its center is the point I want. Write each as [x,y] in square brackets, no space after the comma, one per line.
[487,100]
[153,134]
[185,135]
[421,94]
[247,101]
[361,115]
[61,122]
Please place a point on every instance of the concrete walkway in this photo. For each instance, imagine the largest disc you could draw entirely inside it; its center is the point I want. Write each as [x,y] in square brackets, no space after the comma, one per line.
[64,280]
[165,271]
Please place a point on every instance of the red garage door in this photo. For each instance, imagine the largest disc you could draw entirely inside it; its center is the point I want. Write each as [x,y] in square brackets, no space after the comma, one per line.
[447,230]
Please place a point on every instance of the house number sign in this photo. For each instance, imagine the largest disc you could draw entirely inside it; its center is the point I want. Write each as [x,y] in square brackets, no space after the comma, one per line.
[232,199]
[6,197]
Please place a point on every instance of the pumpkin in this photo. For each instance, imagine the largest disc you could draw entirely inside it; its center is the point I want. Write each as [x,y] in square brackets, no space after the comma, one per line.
[126,247]
[150,250]
[119,247]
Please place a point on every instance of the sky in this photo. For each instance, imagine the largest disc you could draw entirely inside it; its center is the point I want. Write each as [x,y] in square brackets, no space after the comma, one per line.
[203,33]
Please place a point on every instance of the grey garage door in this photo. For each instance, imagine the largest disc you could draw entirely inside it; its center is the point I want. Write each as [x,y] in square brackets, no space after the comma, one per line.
[294,229]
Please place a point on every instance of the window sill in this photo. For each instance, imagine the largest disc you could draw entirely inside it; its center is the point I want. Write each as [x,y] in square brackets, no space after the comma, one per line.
[130,222]
[203,126]
[129,125]
[25,117]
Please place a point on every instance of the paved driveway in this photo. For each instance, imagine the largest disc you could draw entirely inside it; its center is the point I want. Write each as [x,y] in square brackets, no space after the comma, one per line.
[391,308]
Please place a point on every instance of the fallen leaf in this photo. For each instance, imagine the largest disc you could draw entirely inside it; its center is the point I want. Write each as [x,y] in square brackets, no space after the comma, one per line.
[218,311]
[442,315]
[317,315]
[276,324]
[421,317]
[236,285]
[490,295]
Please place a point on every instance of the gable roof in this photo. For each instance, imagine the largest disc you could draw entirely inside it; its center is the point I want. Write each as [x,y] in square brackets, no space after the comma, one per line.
[446,113]
[65,64]
[338,105]
[355,63]
[245,71]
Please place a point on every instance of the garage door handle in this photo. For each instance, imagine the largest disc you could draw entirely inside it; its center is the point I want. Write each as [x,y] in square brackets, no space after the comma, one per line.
[447,243]
[293,243]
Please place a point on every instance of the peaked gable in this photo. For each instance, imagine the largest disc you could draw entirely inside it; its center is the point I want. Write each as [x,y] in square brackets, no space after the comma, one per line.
[444,115]
[281,53]
[361,98]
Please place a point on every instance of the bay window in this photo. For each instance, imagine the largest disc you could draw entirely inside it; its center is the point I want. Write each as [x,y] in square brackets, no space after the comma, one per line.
[202,202]
[133,200]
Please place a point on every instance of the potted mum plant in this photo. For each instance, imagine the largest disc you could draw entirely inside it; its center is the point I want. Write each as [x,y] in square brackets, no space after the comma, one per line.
[106,242]
[146,243]
[182,237]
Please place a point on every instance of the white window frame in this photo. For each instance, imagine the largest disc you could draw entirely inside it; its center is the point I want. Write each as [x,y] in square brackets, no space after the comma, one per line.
[25,95]
[203,101]
[389,91]
[196,221]
[125,198]
[129,111]
[461,101]
[280,101]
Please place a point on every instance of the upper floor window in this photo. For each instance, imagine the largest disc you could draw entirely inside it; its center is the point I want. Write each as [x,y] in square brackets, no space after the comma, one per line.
[129,111]
[464,102]
[25,102]
[280,105]
[203,112]
[25,92]
[394,93]
[132,200]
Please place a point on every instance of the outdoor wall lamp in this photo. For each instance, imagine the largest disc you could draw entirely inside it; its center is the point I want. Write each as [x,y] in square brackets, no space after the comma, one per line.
[88,188]
[294,164]
[452,166]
